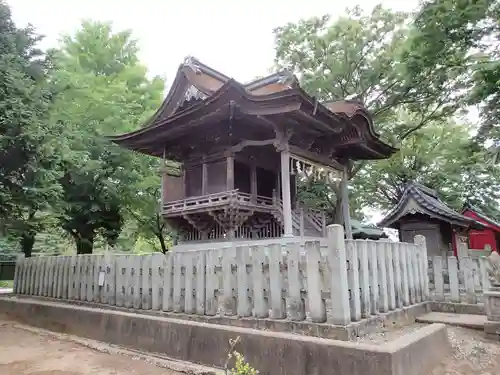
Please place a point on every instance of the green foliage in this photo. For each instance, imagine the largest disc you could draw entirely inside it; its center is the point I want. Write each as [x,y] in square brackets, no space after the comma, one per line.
[28,164]
[241,367]
[412,76]
[102,89]
[6,284]
[370,57]
[439,156]
[473,28]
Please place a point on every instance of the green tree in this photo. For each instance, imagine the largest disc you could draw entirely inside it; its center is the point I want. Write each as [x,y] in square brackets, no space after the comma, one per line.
[28,164]
[440,156]
[473,27]
[103,89]
[150,224]
[378,58]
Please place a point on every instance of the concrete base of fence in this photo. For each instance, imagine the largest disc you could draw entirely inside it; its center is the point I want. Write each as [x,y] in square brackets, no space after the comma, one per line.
[492,330]
[457,308]
[350,332]
[271,352]
[403,316]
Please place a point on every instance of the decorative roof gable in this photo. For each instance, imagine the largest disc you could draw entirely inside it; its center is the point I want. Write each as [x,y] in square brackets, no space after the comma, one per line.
[419,199]
[201,95]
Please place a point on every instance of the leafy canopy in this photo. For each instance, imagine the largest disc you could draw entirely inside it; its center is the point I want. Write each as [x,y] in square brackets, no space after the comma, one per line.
[102,90]
[28,163]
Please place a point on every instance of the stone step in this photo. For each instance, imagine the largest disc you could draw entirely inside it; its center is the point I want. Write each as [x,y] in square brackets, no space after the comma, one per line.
[461,320]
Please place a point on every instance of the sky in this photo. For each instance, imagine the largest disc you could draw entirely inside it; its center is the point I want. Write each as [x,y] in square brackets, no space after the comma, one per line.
[234,37]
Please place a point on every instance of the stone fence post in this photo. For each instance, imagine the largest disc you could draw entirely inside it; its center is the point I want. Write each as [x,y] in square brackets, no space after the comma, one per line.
[424,264]
[17,272]
[338,269]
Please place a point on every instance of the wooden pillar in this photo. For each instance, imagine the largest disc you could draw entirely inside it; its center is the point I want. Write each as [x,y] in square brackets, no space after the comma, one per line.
[344,193]
[230,172]
[184,180]
[285,192]
[204,178]
[253,181]
[162,176]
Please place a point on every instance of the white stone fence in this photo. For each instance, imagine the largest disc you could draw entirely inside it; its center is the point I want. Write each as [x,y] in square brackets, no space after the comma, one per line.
[458,279]
[342,282]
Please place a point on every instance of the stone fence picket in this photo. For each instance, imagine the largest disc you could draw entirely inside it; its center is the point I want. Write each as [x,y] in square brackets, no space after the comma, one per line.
[458,279]
[338,283]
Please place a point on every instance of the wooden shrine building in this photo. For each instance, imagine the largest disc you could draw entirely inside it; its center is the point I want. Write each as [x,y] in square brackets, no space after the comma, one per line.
[489,236]
[420,211]
[242,148]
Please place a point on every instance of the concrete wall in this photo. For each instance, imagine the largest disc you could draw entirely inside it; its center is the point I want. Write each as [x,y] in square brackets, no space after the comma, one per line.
[356,278]
[270,352]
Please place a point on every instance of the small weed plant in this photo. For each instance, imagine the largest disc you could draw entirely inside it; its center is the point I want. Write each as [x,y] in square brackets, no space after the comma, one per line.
[241,367]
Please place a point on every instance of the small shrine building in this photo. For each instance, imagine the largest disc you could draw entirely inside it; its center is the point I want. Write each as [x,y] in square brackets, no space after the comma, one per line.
[420,211]
[242,149]
[487,237]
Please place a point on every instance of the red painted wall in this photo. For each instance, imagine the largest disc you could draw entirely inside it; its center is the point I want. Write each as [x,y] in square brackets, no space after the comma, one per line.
[479,238]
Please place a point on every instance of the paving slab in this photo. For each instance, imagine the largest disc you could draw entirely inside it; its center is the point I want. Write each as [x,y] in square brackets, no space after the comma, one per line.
[461,320]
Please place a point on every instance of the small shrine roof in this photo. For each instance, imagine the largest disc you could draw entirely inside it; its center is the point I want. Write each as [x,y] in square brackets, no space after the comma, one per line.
[495,225]
[419,199]
[366,231]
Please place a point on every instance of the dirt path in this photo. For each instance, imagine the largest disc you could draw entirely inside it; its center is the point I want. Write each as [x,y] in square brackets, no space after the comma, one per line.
[28,351]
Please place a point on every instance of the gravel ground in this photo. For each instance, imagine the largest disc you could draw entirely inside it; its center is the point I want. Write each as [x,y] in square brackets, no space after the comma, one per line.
[386,334]
[472,353]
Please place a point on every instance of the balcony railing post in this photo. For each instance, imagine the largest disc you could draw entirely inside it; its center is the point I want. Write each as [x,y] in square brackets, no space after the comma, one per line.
[301,222]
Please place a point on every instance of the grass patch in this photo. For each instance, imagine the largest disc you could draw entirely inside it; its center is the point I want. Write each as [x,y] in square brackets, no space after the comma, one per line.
[6,283]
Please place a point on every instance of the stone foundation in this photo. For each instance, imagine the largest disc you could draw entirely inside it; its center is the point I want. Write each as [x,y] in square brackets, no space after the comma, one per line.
[271,352]
[492,307]
[350,332]
[457,308]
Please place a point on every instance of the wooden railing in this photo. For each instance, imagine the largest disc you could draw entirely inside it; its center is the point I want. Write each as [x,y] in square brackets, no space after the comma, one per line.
[300,217]
[201,201]
[254,199]
[216,199]
[317,219]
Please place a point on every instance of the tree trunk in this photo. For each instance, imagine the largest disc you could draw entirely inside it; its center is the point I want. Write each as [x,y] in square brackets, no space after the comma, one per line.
[27,241]
[159,233]
[163,245]
[339,217]
[84,243]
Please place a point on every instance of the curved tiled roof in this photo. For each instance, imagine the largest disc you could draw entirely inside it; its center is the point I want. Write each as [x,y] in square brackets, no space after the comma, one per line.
[201,95]
[420,199]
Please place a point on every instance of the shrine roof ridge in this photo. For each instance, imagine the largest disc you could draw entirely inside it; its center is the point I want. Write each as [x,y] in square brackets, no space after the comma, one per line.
[425,201]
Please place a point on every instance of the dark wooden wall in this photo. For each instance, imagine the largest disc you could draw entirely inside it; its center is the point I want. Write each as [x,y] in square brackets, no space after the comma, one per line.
[191,185]
[173,188]
[216,179]
[194,181]
[435,233]
[242,177]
